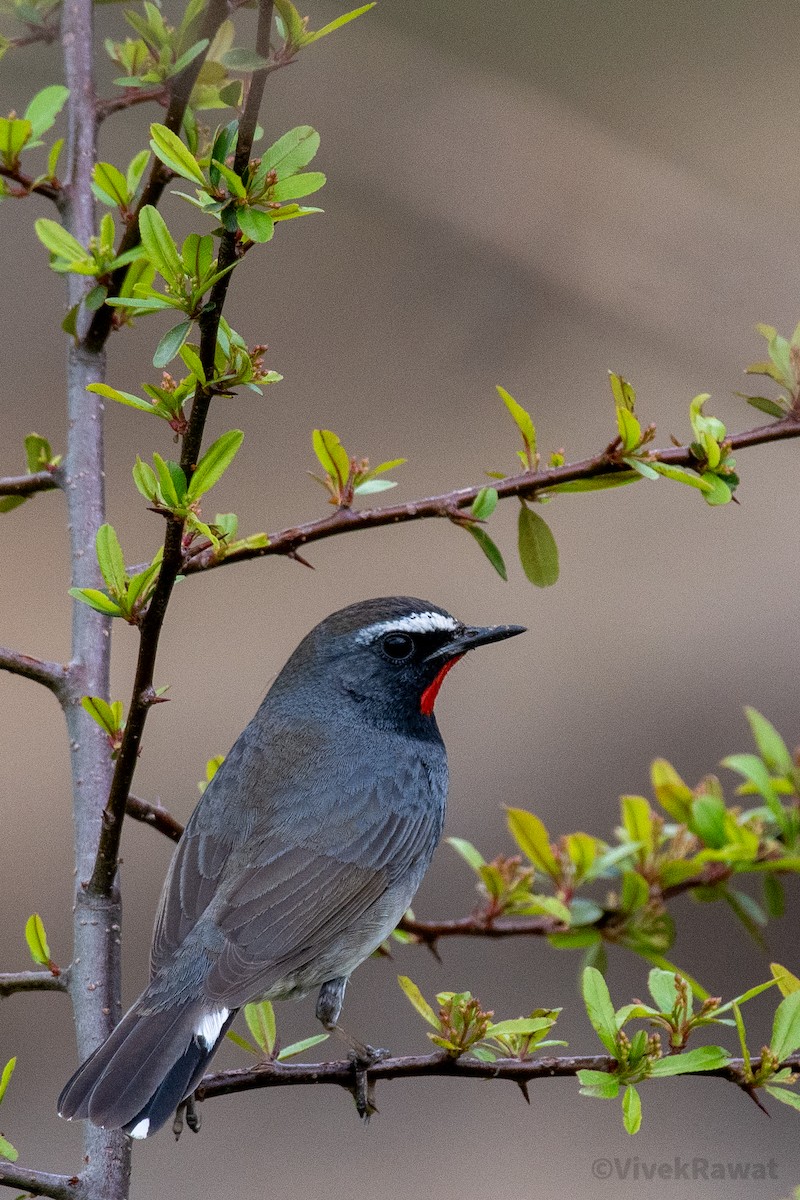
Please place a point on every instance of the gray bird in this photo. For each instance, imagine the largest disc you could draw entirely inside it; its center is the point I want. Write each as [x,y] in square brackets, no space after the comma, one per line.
[301,857]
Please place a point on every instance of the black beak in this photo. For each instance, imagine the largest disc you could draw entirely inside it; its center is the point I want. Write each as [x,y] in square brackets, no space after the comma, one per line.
[470,638]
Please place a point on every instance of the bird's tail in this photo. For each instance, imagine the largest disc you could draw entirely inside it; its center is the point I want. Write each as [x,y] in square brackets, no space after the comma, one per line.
[145,1068]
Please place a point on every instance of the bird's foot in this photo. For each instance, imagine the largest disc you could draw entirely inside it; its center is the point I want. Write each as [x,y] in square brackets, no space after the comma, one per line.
[187,1110]
[362,1058]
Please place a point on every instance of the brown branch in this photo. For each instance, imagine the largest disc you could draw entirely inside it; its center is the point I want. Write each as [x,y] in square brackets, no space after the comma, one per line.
[27,485]
[130,98]
[53,675]
[155,815]
[527,484]
[27,185]
[33,981]
[341,1073]
[40,1183]
[180,91]
[144,695]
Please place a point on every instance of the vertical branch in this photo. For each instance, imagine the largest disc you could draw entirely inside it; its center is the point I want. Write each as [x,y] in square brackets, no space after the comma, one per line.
[143,695]
[95,978]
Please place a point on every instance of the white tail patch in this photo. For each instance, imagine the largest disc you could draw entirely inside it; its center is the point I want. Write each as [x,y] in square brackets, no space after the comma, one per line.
[422,622]
[208,1027]
[141,1129]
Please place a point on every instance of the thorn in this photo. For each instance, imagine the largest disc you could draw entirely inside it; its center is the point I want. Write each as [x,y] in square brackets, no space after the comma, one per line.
[434,949]
[522,1084]
[750,1091]
[299,558]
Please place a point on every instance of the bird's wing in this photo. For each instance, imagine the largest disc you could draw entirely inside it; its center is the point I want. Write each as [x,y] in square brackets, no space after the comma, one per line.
[276,903]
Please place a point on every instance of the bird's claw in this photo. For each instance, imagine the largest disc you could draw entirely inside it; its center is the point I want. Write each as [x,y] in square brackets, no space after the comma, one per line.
[362,1058]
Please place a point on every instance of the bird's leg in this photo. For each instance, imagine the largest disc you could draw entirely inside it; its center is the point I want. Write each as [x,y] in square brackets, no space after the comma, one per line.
[186,1109]
[329,1007]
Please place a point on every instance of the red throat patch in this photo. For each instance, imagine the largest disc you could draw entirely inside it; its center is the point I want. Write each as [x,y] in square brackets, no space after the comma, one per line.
[432,690]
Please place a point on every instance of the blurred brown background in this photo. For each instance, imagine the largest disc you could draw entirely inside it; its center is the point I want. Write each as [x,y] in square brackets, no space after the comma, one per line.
[525,193]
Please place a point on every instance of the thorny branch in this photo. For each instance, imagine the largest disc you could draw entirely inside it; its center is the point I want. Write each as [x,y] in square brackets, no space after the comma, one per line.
[52,675]
[527,484]
[27,185]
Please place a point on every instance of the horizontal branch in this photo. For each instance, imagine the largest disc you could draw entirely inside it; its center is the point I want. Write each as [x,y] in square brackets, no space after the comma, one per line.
[131,97]
[33,981]
[341,1073]
[27,485]
[155,815]
[52,675]
[27,185]
[40,1183]
[527,485]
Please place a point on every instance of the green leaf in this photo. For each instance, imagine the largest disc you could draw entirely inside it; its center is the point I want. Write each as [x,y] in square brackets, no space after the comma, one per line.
[45,107]
[787,982]
[600,1084]
[524,1025]
[674,796]
[337,23]
[7,1150]
[489,548]
[784,1095]
[291,152]
[158,244]
[15,133]
[630,431]
[299,1047]
[172,151]
[718,492]
[533,840]
[661,985]
[370,486]
[5,1078]
[597,999]
[111,559]
[538,552]
[297,186]
[56,239]
[484,504]
[638,821]
[703,1058]
[171,343]
[238,58]
[38,453]
[597,483]
[107,716]
[681,475]
[260,1018]
[763,403]
[145,480]
[786,1026]
[36,938]
[53,157]
[255,224]
[522,420]
[771,745]
[215,462]
[110,186]
[471,856]
[631,1109]
[102,389]
[97,600]
[418,1000]
[136,169]
[332,456]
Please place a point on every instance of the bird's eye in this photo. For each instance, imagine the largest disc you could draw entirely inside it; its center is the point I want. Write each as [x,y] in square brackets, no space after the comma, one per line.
[398,646]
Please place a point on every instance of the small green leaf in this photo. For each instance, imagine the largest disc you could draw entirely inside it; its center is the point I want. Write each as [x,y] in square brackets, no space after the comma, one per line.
[597,483]
[111,560]
[719,493]
[102,389]
[45,107]
[255,224]
[260,1018]
[681,475]
[468,852]
[784,1095]
[110,186]
[332,456]
[38,453]
[600,1084]
[489,548]
[299,1047]
[36,938]
[291,152]
[786,1026]
[533,840]
[538,552]
[763,403]
[771,745]
[171,343]
[631,1109]
[158,244]
[418,1000]
[703,1058]
[107,716]
[371,486]
[5,1078]
[787,982]
[337,23]
[674,796]
[484,504]
[56,239]
[661,985]
[167,146]
[97,600]
[597,999]
[638,821]
[522,420]
[215,462]
[7,1150]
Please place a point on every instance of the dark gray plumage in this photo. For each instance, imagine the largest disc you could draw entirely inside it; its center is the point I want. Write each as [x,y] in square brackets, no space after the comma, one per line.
[303,854]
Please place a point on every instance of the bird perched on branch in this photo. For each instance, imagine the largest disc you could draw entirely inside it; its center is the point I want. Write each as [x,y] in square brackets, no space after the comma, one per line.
[301,857]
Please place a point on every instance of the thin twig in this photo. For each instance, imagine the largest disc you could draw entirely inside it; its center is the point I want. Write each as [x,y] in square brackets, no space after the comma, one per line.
[27,485]
[130,98]
[33,981]
[40,1183]
[340,1073]
[527,484]
[53,675]
[144,695]
[27,185]
[155,815]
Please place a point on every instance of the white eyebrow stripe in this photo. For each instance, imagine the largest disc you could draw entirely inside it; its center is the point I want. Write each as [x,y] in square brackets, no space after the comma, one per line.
[422,622]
